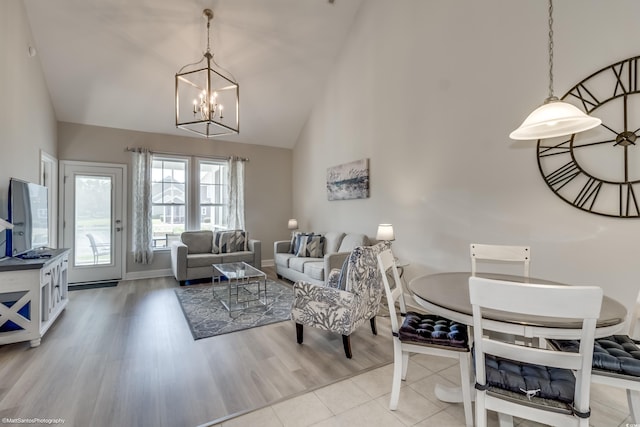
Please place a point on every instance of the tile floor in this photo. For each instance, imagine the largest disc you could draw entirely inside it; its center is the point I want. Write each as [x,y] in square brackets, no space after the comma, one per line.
[364,401]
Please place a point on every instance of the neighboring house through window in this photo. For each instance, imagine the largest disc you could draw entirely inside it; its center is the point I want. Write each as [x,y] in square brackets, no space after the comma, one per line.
[173,210]
[213,195]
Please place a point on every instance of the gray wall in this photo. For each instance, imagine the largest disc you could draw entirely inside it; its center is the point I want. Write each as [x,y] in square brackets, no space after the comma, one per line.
[429,92]
[268,176]
[27,119]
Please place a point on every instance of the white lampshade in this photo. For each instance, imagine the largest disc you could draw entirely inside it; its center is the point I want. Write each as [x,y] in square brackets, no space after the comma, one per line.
[385,232]
[293,224]
[554,118]
[5,225]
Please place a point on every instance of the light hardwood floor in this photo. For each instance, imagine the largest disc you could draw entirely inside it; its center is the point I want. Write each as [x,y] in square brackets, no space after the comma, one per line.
[124,356]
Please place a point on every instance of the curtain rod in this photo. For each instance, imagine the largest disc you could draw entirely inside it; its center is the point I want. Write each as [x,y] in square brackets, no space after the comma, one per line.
[244,159]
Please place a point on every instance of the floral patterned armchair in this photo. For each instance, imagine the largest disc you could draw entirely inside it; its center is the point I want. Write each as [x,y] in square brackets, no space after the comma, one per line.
[342,310]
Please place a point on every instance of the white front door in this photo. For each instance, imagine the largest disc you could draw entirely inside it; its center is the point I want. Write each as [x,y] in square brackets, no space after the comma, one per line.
[93,221]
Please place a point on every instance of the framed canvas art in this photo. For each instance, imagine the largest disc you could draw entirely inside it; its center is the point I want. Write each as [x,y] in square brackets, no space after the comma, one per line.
[348,181]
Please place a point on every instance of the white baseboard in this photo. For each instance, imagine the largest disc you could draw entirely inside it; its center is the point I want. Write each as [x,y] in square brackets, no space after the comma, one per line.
[268,263]
[151,274]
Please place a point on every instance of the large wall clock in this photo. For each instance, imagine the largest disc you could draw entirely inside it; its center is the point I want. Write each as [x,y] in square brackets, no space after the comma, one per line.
[598,171]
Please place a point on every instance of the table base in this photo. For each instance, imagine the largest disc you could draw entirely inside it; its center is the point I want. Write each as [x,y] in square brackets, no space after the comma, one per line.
[239,294]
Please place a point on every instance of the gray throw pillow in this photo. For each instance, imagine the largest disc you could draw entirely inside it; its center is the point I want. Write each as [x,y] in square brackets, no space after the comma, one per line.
[295,242]
[310,246]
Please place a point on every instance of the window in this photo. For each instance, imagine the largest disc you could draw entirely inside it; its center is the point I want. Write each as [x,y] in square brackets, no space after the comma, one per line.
[214,195]
[173,210]
[168,198]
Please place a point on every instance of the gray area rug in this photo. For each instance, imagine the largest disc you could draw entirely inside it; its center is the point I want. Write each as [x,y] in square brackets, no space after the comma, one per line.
[207,316]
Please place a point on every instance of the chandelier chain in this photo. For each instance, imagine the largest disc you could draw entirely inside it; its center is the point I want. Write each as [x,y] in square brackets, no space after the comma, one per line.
[208,35]
[550,48]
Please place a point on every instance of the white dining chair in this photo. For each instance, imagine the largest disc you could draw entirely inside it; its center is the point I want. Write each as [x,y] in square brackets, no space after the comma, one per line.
[538,384]
[422,333]
[500,253]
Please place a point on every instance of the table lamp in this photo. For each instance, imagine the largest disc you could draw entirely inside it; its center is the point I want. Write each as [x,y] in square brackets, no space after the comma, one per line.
[385,233]
[293,224]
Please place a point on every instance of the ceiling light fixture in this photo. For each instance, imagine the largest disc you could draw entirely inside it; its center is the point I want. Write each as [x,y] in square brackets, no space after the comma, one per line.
[554,118]
[207,101]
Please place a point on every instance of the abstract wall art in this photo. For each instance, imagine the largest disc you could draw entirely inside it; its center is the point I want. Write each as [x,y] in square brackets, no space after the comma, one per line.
[348,181]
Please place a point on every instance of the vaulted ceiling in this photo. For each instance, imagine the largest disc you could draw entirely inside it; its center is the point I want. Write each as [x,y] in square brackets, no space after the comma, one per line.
[112,63]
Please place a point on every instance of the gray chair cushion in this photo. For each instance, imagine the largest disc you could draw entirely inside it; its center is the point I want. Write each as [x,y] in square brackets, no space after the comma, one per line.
[434,330]
[198,242]
[516,378]
[616,355]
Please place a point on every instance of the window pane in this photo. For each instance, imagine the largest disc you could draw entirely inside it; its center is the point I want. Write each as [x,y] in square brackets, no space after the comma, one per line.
[213,217]
[93,220]
[168,195]
[167,220]
[213,190]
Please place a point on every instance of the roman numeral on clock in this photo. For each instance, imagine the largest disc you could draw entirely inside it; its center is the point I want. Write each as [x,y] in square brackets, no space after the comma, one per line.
[589,193]
[563,175]
[586,97]
[626,74]
[628,201]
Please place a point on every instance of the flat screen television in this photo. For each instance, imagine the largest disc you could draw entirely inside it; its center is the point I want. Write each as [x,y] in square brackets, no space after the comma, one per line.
[29,214]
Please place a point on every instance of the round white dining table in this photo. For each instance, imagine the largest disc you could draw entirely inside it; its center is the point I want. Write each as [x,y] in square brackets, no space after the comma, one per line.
[447,295]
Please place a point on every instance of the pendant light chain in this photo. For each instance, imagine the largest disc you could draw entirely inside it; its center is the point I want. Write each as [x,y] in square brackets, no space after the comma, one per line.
[551,49]
[554,118]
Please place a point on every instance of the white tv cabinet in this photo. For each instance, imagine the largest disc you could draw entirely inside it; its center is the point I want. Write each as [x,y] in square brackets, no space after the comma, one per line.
[33,293]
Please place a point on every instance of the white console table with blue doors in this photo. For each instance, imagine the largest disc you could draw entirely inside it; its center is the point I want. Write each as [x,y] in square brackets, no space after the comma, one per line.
[33,293]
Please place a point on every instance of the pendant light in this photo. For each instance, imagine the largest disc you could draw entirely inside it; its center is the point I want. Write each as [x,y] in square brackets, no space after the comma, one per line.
[554,118]
[207,96]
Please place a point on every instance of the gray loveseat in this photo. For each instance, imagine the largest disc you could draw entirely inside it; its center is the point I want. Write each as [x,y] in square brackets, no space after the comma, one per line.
[193,255]
[337,247]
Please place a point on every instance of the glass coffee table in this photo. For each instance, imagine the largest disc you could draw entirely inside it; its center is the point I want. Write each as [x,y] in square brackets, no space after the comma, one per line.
[245,285]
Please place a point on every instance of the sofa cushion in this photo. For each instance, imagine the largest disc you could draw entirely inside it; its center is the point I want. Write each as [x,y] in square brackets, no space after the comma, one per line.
[203,260]
[245,256]
[295,240]
[332,240]
[282,259]
[297,263]
[351,241]
[310,246]
[230,241]
[315,270]
[197,242]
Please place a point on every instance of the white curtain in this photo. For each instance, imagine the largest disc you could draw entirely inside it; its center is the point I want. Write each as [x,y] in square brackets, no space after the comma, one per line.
[236,194]
[142,230]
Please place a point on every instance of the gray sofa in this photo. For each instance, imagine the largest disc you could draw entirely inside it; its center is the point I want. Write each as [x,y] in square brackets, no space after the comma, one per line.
[337,247]
[193,255]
